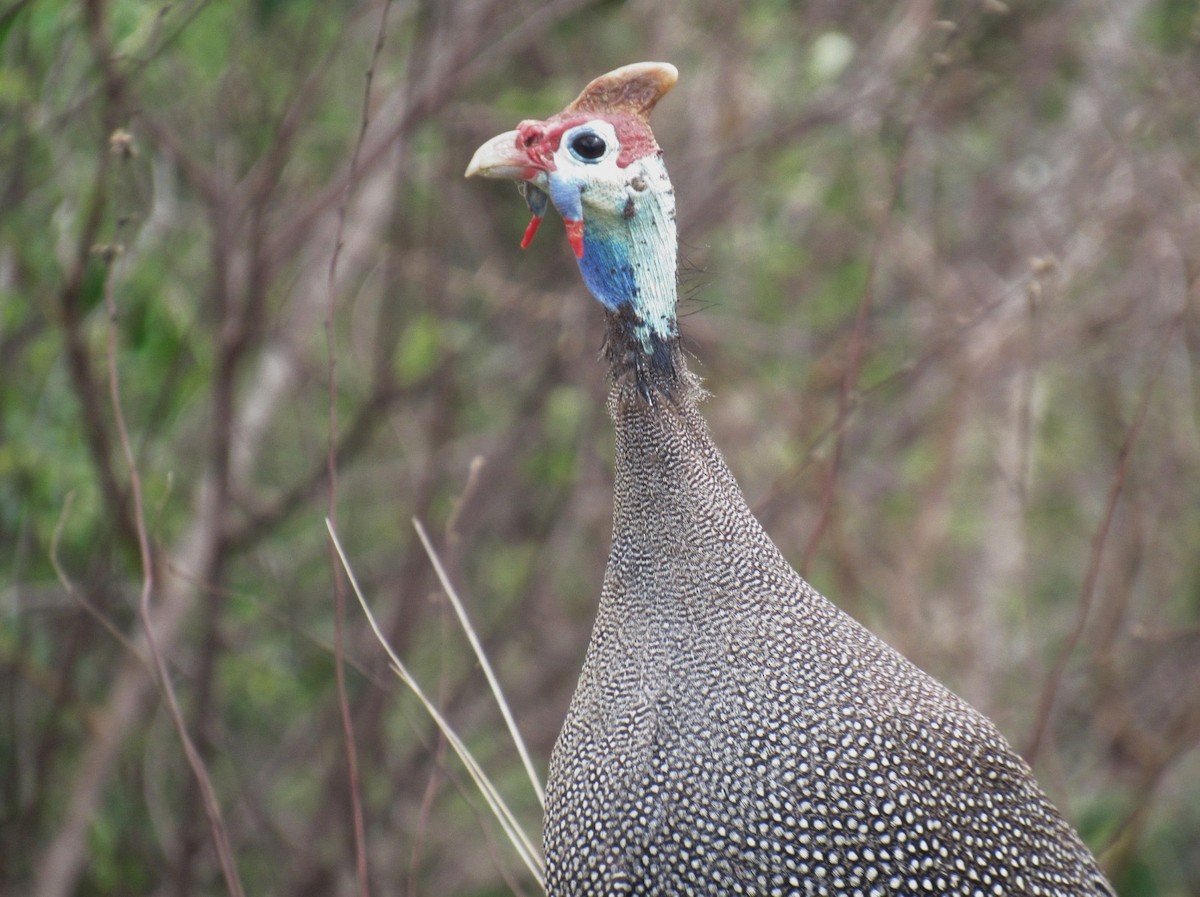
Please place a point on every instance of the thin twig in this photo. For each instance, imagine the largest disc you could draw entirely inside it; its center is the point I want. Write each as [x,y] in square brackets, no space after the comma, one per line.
[339,638]
[847,394]
[81,599]
[423,813]
[493,682]
[1099,539]
[212,808]
[496,803]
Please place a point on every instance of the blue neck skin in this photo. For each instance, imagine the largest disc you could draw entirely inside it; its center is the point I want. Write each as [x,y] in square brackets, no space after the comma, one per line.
[629,248]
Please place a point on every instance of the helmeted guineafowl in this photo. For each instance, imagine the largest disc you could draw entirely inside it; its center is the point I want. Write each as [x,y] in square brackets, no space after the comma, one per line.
[732,731]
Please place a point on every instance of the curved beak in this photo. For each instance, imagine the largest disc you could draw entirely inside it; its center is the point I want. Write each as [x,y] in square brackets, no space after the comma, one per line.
[502,157]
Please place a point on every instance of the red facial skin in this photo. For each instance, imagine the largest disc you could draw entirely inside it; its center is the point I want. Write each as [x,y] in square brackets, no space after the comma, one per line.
[539,140]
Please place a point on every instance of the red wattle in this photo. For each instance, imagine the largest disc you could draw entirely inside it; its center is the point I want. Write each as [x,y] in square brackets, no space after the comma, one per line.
[575,236]
[530,231]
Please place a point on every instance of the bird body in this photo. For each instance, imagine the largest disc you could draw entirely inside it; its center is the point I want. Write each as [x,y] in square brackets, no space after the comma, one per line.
[733,732]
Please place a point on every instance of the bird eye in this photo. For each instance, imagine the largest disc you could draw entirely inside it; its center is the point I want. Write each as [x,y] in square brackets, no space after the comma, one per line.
[587,146]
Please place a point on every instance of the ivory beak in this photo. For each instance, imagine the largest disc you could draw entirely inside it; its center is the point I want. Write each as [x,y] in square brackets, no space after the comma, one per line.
[501,157]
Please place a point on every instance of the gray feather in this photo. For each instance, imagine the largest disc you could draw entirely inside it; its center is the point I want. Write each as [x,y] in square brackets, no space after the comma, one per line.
[735,733]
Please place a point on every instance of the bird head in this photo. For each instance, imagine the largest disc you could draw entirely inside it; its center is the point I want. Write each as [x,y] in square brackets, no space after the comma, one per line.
[597,161]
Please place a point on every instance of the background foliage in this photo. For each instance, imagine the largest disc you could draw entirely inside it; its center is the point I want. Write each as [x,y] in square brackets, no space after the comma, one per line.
[943,271]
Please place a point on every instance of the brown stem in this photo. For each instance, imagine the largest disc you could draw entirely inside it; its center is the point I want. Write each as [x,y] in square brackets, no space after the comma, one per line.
[1099,539]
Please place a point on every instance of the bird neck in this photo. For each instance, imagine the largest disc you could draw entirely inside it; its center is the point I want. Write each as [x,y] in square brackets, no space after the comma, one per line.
[646,367]
[629,265]
[669,471]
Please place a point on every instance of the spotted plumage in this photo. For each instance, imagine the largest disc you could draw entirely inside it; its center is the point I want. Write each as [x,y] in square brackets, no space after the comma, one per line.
[733,732]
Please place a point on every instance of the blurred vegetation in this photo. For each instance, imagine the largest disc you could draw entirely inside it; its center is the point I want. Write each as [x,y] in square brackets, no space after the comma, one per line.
[942,272]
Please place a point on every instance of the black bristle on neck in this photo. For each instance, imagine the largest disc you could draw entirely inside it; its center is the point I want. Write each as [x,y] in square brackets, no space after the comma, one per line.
[653,374]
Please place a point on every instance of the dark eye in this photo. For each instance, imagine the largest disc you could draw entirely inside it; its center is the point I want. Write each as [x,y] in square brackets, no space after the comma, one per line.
[587,146]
